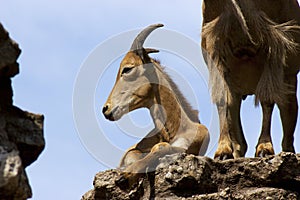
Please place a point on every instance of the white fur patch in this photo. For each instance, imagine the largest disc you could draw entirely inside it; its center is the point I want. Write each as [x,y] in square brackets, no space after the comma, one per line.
[181,142]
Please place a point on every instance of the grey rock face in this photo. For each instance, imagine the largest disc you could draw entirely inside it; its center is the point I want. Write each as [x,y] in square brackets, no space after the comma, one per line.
[182,176]
[21,133]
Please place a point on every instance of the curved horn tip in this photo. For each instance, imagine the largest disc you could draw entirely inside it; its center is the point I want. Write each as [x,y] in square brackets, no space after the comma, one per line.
[158,25]
[141,37]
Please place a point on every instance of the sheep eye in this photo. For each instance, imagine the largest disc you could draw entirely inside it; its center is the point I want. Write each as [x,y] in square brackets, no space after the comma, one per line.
[126,70]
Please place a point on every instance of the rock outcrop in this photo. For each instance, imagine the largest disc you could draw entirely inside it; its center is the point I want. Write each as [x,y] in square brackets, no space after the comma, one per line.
[21,133]
[182,176]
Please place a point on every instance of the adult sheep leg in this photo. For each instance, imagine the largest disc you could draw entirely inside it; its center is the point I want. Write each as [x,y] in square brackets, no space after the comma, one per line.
[264,146]
[232,143]
[289,114]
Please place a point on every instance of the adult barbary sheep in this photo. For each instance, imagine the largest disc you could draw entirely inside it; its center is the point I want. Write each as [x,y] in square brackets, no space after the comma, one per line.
[251,47]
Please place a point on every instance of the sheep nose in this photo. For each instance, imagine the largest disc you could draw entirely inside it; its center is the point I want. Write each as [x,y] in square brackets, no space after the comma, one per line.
[104,109]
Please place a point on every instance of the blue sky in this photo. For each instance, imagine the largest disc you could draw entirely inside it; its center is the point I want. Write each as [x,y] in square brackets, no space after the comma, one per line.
[56,37]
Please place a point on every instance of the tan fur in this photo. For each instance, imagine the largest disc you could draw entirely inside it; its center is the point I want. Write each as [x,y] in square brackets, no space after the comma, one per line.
[251,47]
[177,127]
[265,37]
[192,113]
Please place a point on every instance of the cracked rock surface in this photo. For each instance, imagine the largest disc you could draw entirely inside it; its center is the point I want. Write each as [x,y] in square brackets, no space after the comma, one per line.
[21,133]
[182,176]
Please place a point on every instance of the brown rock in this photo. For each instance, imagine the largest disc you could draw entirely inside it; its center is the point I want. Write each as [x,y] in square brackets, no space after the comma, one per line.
[13,180]
[6,92]
[9,53]
[182,176]
[21,133]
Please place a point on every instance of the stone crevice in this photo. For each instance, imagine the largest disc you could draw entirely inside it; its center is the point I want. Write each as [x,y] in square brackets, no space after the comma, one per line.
[273,177]
[21,133]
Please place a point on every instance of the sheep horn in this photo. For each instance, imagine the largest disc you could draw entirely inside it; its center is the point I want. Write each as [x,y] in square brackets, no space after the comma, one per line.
[141,37]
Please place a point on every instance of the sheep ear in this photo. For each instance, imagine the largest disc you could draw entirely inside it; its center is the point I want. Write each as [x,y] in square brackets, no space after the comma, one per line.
[149,50]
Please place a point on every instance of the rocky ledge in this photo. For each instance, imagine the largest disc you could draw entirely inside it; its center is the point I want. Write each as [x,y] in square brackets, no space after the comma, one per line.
[182,176]
[21,133]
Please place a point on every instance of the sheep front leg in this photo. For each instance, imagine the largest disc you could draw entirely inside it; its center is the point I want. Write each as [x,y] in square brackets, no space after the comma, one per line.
[289,115]
[232,143]
[265,146]
[141,149]
[136,170]
[132,155]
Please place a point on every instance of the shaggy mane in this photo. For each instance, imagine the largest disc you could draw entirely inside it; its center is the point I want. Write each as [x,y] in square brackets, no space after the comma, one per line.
[191,113]
[252,29]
